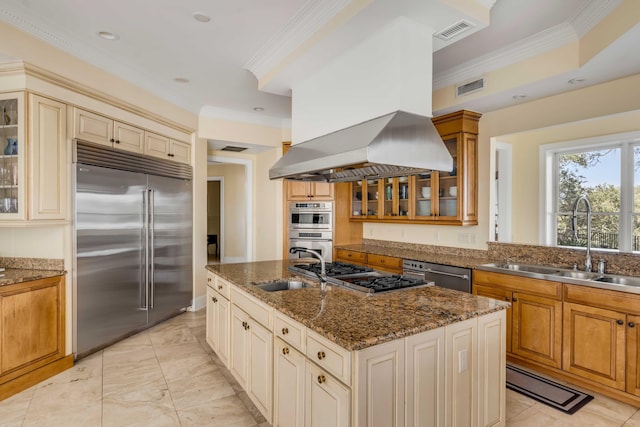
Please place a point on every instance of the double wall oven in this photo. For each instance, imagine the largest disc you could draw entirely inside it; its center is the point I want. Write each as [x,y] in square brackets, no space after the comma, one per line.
[311,227]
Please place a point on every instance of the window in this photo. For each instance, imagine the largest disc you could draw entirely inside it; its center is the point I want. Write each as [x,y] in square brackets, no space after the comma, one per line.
[607,171]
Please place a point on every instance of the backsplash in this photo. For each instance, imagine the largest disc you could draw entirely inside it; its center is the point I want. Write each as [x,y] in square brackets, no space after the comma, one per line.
[441,250]
[32,263]
[617,263]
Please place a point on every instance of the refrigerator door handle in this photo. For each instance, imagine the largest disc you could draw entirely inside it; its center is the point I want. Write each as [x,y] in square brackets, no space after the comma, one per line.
[145,271]
[151,246]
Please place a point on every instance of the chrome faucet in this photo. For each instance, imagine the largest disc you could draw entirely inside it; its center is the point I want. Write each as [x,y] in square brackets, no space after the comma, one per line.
[574,225]
[323,270]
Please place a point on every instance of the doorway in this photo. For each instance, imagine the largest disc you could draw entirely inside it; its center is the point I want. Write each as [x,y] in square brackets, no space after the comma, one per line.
[214,219]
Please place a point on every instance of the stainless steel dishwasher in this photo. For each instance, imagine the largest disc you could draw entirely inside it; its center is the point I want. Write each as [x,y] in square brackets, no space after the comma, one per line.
[445,276]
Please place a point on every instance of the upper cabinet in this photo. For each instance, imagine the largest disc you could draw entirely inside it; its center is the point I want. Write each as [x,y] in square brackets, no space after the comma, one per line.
[95,128]
[449,198]
[44,155]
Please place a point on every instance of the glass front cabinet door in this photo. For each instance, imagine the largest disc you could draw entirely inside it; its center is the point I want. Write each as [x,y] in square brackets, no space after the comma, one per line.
[12,155]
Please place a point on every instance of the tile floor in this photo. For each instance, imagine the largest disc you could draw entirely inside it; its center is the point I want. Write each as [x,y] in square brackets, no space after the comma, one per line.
[168,376]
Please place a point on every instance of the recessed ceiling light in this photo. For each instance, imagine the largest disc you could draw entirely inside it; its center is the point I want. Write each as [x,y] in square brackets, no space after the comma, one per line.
[519,96]
[258,109]
[576,80]
[108,36]
[181,80]
[201,17]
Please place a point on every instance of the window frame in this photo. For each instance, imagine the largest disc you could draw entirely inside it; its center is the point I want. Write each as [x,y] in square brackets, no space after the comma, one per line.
[548,172]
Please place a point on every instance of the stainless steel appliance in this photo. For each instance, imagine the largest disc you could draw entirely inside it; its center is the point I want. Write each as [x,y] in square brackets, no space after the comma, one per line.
[311,227]
[445,276]
[359,278]
[133,265]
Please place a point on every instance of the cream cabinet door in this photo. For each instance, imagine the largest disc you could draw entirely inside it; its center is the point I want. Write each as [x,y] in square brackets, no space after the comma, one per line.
[156,145]
[128,137]
[288,385]
[260,354]
[461,397]
[92,127]
[379,388]
[211,323]
[48,163]
[239,360]
[327,400]
[222,331]
[491,369]
[425,375]
[180,152]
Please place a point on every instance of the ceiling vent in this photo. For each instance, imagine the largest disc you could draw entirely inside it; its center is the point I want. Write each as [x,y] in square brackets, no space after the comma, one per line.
[471,87]
[454,30]
[233,148]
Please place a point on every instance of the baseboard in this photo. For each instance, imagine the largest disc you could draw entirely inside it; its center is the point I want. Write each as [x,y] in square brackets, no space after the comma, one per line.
[198,303]
[29,379]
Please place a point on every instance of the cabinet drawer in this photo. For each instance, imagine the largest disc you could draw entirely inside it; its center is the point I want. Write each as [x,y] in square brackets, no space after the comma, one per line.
[331,357]
[384,262]
[290,331]
[218,284]
[516,283]
[351,256]
[254,308]
[603,298]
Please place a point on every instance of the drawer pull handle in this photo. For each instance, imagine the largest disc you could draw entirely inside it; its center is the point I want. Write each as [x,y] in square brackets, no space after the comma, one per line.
[631,324]
[381,261]
[285,331]
[208,279]
[321,355]
[321,379]
[220,287]
[285,350]
[214,299]
[620,322]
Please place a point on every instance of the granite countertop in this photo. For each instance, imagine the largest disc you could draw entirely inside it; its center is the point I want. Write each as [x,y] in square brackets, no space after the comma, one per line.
[11,276]
[436,258]
[354,320]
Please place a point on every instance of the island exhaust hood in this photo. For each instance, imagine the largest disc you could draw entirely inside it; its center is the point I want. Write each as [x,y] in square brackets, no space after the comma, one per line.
[396,144]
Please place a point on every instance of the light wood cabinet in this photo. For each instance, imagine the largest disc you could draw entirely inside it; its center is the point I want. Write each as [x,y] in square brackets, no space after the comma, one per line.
[535,324]
[48,159]
[288,385]
[98,129]
[447,198]
[302,191]
[32,333]
[385,263]
[352,257]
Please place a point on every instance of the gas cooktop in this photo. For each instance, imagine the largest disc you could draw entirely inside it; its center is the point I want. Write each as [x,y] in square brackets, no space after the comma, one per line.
[356,277]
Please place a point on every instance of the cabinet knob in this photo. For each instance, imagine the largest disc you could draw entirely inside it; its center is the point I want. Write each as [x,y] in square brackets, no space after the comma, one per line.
[220,287]
[214,299]
[321,379]
[514,299]
[285,350]
[381,261]
[247,327]
[208,279]
[620,322]
[321,355]
[117,141]
[631,324]
[285,331]
[112,140]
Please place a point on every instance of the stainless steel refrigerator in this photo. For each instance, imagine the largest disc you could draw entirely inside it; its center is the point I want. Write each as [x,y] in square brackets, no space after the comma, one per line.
[133,264]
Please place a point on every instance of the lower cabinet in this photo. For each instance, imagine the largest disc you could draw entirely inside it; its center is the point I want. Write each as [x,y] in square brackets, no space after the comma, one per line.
[288,385]
[32,333]
[217,328]
[327,400]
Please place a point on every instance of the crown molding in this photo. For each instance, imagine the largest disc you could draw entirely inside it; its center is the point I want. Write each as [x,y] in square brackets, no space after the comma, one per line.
[24,68]
[314,15]
[588,17]
[537,44]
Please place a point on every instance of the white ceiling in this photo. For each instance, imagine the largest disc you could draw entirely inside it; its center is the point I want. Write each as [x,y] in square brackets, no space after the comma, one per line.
[159,40]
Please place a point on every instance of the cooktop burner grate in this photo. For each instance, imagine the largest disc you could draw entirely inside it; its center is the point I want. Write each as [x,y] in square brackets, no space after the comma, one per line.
[334,269]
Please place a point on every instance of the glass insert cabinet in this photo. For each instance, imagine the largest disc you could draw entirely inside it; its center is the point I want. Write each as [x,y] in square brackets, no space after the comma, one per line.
[435,197]
[11,156]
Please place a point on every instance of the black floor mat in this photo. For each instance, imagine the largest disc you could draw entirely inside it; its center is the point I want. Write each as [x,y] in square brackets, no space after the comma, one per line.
[556,395]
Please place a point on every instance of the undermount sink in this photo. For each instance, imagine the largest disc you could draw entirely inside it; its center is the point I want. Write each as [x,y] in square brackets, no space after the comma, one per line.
[282,285]
[617,280]
[528,268]
[585,275]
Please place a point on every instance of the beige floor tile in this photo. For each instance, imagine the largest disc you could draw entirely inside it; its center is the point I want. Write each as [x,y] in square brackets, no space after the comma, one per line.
[227,412]
[117,413]
[176,352]
[176,333]
[186,367]
[14,408]
[89,367]
[634,421]
[516,403]
[200,390]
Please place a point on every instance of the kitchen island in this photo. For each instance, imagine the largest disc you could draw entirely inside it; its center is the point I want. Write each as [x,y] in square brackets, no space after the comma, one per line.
[421,356]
